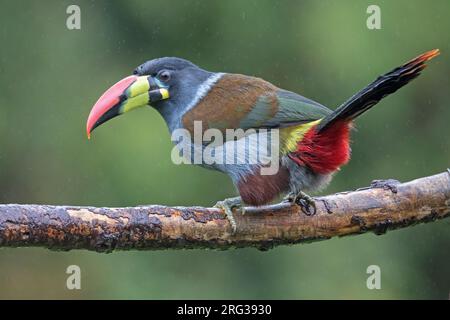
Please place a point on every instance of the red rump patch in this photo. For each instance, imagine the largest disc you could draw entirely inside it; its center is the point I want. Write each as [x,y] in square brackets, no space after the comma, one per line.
[326,151]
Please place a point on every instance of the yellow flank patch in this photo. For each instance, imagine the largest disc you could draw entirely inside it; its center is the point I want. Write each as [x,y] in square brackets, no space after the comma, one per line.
[290,136]
[140,86]
[136,102]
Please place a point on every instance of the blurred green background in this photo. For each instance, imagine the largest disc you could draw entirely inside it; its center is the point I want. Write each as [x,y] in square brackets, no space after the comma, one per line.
[51,76]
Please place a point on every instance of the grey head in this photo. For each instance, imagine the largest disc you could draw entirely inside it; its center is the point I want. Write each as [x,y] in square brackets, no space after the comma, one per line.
[183,79]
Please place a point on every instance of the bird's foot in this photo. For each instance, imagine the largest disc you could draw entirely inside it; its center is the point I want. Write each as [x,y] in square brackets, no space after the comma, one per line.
[389,184]
[306,202]
[227,206]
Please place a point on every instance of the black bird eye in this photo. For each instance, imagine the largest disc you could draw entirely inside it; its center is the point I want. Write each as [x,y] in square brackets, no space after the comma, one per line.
[164,76]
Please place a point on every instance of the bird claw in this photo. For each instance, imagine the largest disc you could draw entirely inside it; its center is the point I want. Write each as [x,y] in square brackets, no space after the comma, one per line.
[389,184]
[227,206]
[305,201]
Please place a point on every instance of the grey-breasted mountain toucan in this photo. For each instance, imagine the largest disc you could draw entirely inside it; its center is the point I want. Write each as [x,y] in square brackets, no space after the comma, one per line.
[313,140]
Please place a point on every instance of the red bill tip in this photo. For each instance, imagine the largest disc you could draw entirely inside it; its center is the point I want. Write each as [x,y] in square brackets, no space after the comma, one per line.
[108,100]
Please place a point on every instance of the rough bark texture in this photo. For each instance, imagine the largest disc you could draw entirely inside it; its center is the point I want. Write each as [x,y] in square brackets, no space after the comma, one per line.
[382,206]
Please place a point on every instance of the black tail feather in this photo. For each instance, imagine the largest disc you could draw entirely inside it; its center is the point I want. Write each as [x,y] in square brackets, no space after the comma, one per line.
[377,90]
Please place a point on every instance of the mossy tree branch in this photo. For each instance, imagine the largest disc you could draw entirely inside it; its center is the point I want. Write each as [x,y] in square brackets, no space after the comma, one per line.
[382,206]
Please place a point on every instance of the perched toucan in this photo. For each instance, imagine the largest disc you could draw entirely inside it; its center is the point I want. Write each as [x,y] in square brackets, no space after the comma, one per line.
[313,140]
